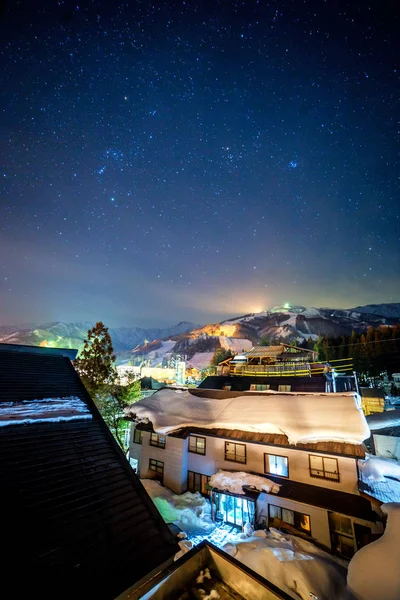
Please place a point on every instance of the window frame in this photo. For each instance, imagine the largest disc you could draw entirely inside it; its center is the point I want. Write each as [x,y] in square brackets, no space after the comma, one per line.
[197,437]
[335,479]
[201,475]
[157,462]
[140,432]
[295,512]
[241,462]
[278,456]
[156,443]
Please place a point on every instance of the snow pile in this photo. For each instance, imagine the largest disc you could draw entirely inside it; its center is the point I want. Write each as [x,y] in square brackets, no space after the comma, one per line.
[234,482]
[43,411]
[376,468]
[190,511]
[301,417]
[292,564]
[374,570]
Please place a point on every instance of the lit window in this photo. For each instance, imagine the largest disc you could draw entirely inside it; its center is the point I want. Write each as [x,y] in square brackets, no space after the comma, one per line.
[235,452]
[197,444]
[276,465]
[284,388]
[324,467]
[279,516]
[157,440]
[197,482]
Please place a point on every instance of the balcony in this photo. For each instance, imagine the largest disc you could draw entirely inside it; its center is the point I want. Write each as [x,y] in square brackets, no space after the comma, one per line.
[276,370]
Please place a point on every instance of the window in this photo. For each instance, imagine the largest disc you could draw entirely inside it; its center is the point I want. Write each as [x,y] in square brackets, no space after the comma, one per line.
[276,465]
[342,534]
[197,444]
[297,520]
[324,467]
[259,387]
[157,440]
[284,388]
[137,436]
[157,466]
[197,482]
[235,452]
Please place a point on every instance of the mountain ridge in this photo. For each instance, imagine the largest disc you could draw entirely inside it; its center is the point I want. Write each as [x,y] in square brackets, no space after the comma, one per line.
[286,323]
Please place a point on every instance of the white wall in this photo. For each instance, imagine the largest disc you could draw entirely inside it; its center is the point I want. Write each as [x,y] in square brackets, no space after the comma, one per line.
[318,516]
[299,469]
[174,457]
[387,445]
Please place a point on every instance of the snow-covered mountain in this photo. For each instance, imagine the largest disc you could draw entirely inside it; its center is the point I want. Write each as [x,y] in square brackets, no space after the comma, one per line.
[284,323]
[71,335]
[390,310]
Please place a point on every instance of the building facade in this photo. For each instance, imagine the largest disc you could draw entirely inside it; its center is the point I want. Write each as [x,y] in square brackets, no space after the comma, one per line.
[318,496]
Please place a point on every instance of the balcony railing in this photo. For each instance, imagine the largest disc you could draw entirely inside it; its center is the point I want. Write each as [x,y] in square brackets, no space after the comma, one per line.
[277,370]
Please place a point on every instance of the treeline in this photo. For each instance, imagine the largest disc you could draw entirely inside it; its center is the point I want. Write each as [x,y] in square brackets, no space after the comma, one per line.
[372,352]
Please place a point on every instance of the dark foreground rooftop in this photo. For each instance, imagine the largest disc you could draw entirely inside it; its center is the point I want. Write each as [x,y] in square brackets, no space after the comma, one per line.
[77,523]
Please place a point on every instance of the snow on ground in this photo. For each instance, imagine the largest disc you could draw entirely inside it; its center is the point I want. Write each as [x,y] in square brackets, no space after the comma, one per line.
[302,417]
[191,512]
[235,344]
[294,565]
[234,482]
[202,360]
[43,411]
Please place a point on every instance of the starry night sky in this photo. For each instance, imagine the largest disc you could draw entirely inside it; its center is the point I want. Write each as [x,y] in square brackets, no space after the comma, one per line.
[166,161]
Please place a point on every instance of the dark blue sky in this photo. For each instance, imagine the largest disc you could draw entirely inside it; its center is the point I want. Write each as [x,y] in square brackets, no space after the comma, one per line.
[163,161]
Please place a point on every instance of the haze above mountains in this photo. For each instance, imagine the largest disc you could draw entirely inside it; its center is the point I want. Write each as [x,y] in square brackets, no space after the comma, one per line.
[284,323]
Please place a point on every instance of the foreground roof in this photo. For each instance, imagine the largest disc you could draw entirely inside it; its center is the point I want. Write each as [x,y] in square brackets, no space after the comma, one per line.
[77,521]
[302,418]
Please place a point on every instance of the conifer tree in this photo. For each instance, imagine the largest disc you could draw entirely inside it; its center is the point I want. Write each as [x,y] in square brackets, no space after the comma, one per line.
[96,363]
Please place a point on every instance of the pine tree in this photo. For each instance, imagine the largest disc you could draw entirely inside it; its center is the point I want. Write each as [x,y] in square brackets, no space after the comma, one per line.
[96,363]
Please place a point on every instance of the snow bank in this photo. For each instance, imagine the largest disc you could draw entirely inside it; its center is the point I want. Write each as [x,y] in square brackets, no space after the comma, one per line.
[294,565]
[43,411]
[301,417]
[374,570]
[234,482]
[376,468]
[190,511]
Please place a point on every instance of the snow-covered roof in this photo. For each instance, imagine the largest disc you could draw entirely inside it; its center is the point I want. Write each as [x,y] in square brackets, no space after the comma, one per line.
[43,411]
[303,418]
[388,418]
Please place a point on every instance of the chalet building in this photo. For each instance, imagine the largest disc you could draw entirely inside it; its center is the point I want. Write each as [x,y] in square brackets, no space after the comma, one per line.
[282,368]
[308,444]
[373,400]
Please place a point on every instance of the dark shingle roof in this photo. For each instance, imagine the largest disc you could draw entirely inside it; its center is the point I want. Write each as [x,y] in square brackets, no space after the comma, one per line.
[335,500]
[77,522]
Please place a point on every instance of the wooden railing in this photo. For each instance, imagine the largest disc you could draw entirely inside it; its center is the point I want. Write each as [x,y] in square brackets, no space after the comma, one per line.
[297,369]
